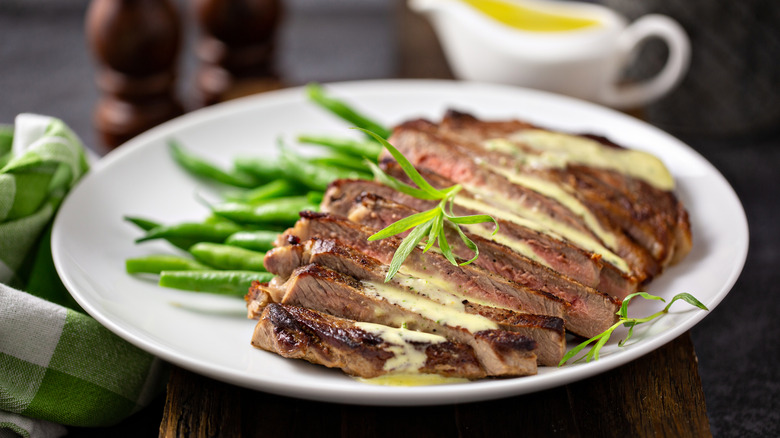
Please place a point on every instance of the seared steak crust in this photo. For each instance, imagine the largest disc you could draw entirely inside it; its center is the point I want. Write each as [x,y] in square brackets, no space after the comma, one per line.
[571,261]
[652,217]
[547,331]
[497,289]
[425,147]
[589,312]
[301,333]
[650,228]
[500,352]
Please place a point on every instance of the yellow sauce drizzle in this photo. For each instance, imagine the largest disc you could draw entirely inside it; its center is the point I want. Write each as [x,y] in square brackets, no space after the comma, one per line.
[554,191]
[452,315]
[407,357]
[524,18]
[580,150]
[435,288]
[517,213]
[411,379]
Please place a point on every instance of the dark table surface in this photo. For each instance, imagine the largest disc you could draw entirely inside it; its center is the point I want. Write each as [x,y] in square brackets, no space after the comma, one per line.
[45,67]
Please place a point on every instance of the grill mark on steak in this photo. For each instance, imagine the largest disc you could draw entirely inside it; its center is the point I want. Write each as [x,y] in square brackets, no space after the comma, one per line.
[500,352]
[427,146]
[421,144]
[505,293]
[301,333]
[647,214]
[583,266]
[547,331]
[589,313]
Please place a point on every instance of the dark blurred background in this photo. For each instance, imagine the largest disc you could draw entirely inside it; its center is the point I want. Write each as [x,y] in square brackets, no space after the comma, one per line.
[727,108]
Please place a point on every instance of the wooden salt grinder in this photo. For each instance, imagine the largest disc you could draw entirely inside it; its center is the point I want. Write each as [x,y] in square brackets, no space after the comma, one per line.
[136,45]
[236,47]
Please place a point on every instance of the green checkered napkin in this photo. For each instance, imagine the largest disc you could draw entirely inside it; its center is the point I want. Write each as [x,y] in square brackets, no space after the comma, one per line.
[57,365]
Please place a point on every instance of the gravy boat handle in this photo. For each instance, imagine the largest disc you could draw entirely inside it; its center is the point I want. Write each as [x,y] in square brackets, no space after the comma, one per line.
[633,95]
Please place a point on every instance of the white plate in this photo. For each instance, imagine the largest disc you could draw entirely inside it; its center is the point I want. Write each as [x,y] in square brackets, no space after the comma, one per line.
[210,335]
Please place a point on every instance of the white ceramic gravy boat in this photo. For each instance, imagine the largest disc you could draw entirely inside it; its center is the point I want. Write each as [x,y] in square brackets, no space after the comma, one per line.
[586,63]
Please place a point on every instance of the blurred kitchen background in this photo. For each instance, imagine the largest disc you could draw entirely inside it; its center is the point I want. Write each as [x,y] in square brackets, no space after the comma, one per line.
[730,90]
[729,101]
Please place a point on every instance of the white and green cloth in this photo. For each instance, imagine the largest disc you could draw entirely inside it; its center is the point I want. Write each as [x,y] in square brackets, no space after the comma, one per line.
[58,366]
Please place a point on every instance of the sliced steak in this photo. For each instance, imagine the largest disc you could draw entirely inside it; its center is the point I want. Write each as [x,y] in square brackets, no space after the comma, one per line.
[500,352]
[497,290]
[589,313]
[583,266]
[363,350]
[426,147]
[649,215]
[547,331]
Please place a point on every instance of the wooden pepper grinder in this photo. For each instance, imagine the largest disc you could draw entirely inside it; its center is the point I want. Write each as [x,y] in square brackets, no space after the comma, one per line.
[136,44]
[236,47]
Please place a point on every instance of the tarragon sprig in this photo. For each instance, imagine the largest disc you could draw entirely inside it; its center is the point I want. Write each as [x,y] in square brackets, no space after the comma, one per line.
[623,319]
[428,226]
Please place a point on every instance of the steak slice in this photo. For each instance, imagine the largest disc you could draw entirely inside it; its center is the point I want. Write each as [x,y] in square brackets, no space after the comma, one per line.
[498,290]
[576,263]
[651,216]
[589,313]
[425,146]
[547,331]
[500,352]
[359,349]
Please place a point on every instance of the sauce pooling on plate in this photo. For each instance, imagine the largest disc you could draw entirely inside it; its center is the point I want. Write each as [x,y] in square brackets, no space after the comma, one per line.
[525,18]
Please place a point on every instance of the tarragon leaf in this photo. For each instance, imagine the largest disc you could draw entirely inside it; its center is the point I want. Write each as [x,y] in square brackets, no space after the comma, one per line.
[574,351]
[396,184]
[444,246]
[623,319]
[405,248]
[428,224]
[433,234]
[403,225]
[623,312]
[407,166]
[474,219]
[688,298]
[469,244]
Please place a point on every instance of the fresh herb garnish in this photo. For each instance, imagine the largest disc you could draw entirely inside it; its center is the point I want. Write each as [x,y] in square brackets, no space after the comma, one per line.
[429,226]
[623,319]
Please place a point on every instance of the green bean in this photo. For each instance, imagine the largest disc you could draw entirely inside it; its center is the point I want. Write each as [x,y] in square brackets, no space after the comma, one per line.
[5,158]
[197,231]
[317,177]
[274,211]
[357,148]
[315,197]
[260,240]
[263,169]
[235,283]
[221,256]
[344,161]
[146,225]
[341,109]
[213,219]
[274,189]
[154,264]
[202,168]
[6,139]
[6,142]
